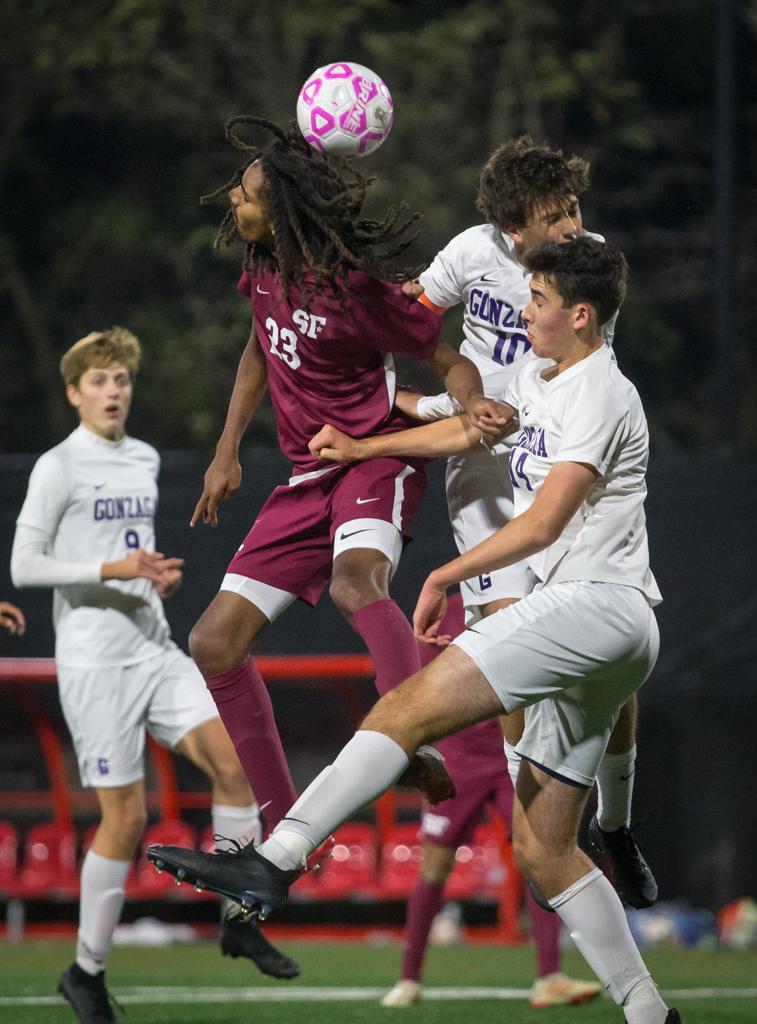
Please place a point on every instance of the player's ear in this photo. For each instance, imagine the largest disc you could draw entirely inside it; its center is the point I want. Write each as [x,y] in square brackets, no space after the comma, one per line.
[514,232]
[582,314]
[73,395]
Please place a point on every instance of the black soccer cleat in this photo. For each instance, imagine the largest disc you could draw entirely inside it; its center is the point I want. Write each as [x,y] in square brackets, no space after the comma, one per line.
[242,875]
[243,937]
[87,995]
[673,1017]
[427,773]
[632,876]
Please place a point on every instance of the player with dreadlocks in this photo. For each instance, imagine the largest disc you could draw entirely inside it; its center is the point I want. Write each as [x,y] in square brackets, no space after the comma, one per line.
[328,313]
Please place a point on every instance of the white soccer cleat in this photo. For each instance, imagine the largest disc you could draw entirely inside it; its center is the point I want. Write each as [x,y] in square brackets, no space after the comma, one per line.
[560,990]
[404,993]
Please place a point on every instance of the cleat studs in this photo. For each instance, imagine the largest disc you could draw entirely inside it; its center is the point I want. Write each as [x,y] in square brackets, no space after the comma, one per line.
[177,881]
[181,874]
[158,871]
[159,864]
[199,885]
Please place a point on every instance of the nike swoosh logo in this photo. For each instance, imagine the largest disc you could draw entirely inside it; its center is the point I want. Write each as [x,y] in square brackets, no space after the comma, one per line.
[624,778]
[98,486]
[261,291]
[364,501]
[344,536]
[489,279]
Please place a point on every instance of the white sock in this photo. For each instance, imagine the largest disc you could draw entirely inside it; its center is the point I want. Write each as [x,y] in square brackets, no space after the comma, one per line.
[594,916]
[615,790]
[100,905]
[366,766]
[240,823]
[513,763]
[644,1005]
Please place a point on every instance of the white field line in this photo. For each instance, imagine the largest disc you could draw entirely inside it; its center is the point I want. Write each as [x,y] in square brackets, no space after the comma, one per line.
[145,995]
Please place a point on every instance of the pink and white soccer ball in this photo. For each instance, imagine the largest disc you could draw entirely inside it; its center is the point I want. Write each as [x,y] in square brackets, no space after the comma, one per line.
[345,109]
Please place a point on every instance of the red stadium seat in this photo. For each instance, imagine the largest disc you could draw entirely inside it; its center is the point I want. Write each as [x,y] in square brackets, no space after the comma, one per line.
[400,861]
[49,866]
[479,868]
[350,872]
[8,855]
[145,882]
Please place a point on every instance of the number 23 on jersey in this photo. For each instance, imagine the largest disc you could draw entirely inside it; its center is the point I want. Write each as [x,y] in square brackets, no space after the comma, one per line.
[284,340]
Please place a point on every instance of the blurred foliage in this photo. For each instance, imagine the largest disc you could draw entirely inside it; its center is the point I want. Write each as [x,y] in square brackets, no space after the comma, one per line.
[111,115]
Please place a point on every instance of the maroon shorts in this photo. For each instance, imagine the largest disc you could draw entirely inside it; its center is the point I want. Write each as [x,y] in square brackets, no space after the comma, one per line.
[290,544]
[453,822]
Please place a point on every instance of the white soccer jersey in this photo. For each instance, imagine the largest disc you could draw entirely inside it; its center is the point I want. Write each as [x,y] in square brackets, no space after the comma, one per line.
[590,413]
[95,500]
[479,268]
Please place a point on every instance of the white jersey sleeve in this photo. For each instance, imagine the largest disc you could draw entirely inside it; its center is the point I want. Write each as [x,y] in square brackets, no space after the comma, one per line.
[442,283]
[32,566]
[47,499]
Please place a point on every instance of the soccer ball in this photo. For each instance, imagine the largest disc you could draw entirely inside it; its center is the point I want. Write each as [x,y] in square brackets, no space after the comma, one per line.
[345,109]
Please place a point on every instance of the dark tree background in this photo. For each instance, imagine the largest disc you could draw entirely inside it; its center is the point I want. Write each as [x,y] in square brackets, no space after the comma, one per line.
[111,115]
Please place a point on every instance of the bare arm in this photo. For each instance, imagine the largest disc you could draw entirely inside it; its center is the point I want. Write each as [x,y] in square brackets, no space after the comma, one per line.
[558,500]
[224,474]
[444,437]
[463,381]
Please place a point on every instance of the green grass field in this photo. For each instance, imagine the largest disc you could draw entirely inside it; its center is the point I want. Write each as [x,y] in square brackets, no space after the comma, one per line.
[194,983]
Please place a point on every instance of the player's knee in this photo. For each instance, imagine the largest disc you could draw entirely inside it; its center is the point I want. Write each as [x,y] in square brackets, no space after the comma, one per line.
[213,650]
[128,821]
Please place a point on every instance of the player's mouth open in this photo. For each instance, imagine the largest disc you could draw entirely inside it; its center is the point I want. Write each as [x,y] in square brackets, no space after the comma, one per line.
[112,410]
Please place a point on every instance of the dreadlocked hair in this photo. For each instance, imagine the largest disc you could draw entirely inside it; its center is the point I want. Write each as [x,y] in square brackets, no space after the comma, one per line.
[314,203]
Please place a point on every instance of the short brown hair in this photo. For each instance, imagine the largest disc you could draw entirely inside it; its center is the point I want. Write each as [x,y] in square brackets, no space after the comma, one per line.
[521,175]
[582,270]
[101,349]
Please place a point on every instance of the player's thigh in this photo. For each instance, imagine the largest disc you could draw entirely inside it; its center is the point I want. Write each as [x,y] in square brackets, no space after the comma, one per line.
[209,747]
[447,695]
[571,654]
[105,709]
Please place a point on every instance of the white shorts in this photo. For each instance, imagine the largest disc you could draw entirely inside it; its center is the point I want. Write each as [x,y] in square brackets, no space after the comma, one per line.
[108,709]
[571,654]
[480,502]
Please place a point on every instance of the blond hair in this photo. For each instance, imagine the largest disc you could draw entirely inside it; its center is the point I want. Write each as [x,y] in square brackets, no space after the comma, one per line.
[101,349]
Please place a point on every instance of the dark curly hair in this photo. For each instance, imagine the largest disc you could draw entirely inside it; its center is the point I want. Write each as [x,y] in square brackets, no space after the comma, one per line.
[582,270]
[314,203]
[521,176]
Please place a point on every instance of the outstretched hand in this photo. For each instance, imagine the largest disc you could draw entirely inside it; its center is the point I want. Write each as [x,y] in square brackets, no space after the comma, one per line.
[430,609]
[493,419]
[331,445]
[222,480]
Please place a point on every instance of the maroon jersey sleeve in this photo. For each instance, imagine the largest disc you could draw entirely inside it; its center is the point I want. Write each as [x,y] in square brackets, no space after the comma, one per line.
[388,321]
[244,284]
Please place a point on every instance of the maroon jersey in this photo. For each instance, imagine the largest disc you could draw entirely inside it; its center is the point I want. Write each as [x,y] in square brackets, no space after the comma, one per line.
[330,364]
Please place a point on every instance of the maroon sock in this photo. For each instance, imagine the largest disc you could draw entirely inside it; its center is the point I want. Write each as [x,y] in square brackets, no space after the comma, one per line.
[545,928]
[390,642]
[452,625]
[423,904]
[245,708]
